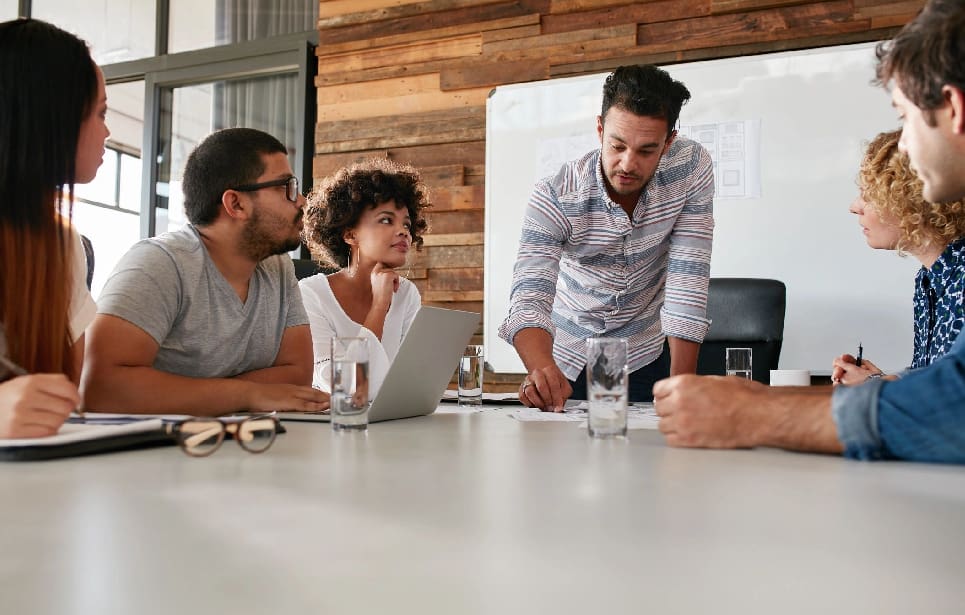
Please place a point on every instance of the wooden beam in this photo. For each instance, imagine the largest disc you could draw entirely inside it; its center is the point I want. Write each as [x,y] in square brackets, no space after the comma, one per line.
[733,29]
[338,13]
[422,102]
[458,198]
[634,13]
[486,28]
[447,257]
[463,221]
[454,239]
[477,74]
[421,51]
[468,13]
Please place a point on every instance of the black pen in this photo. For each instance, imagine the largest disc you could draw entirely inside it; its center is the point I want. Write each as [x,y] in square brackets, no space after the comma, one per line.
[858,360]
[14,369]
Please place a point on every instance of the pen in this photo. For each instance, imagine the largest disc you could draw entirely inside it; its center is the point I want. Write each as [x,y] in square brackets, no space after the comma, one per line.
[16,370]
[858,360]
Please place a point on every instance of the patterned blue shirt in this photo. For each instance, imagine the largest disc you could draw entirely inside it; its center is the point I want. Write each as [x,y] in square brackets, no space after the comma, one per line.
[586,269]
[939,313]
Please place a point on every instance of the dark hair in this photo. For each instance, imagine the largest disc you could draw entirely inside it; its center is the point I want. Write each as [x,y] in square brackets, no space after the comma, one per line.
[927,54]
[225,159]
[39,129]
[48,87]
[644,89]
[339,203]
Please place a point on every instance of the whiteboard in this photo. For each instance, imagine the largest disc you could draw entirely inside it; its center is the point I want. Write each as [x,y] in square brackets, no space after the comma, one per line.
[808,115]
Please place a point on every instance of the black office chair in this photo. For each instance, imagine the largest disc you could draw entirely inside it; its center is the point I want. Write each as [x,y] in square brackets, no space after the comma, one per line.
[306,267]
[746,313]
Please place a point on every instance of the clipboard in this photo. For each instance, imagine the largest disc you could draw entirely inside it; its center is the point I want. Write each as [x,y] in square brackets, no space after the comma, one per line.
[77,439]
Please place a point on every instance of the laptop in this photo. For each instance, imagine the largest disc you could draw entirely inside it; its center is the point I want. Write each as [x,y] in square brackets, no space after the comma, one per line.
[423,367]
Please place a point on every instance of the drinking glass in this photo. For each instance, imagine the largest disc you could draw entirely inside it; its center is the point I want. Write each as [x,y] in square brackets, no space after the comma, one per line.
[606,383]
[350,383]
[471,376]
[738,363]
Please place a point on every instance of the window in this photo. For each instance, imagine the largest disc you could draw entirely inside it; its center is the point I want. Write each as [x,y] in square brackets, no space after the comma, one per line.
[196,24]
[107,210]
[219,63]
[266,103]
[116,30]
[9,9]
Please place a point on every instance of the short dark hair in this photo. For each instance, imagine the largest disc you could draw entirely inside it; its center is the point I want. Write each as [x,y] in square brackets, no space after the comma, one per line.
[339,203]
[927,54]
[644,89]
[225,159]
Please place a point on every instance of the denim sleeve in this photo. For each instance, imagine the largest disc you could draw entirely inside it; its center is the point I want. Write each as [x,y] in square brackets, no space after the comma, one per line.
[920,417]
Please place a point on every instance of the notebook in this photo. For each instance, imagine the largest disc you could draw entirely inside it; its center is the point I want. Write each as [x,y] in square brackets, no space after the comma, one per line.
[427,360]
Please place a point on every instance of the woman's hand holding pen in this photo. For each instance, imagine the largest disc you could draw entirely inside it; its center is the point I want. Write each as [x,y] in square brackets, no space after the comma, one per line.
[846,370]
[36,405]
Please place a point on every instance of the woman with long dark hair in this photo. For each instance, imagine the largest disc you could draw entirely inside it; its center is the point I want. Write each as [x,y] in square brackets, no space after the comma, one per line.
[52,132]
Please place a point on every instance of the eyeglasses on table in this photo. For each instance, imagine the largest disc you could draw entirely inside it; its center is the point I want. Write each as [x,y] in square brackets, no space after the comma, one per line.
[200,437]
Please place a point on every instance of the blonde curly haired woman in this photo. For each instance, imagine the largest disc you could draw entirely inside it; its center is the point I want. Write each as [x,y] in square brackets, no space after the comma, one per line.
[895,216]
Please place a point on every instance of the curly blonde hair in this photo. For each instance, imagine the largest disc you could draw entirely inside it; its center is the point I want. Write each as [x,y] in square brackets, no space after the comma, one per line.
[892,189]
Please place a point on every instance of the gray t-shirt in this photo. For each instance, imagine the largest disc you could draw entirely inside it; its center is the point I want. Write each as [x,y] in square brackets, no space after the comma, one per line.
[169,287]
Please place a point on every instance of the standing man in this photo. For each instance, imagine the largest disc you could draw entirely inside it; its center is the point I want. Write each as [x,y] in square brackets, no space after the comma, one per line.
[208,319]
[919,416]
[617,244]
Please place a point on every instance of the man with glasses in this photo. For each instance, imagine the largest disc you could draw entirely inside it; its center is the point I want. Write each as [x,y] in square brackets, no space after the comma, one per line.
[208,319]
[921,415]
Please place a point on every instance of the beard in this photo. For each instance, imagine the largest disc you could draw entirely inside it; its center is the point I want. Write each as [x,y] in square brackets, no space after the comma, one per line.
[260,237]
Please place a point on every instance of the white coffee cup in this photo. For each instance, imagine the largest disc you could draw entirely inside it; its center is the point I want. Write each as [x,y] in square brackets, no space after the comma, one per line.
[790,378]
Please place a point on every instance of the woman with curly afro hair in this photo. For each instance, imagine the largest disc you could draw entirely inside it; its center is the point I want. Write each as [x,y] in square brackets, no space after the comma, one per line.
[364,220]
[895,216]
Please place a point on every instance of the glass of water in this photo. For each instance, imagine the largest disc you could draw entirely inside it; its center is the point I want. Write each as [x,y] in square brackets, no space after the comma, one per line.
[606,385]
[738,362]
[471,376]
[350,383]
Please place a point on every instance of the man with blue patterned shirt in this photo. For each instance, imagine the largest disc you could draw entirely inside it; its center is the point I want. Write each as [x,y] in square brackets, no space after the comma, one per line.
[920,416]
[617,244]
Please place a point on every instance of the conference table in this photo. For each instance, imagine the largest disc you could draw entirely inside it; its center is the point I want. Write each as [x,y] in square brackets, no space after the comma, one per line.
[479,513]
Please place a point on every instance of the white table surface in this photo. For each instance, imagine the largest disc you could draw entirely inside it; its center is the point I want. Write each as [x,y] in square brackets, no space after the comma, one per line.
[479,514]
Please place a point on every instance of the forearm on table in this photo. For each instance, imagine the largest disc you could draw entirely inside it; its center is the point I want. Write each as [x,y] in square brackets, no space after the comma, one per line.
[145,390]
[280,374]
[798,418]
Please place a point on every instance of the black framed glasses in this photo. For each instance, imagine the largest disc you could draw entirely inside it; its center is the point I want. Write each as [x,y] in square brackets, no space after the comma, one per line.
[199,437]
[290,184]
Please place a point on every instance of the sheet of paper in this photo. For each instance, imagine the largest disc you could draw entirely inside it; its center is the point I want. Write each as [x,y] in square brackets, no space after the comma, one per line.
[488,398]
[80,432]
[639,415]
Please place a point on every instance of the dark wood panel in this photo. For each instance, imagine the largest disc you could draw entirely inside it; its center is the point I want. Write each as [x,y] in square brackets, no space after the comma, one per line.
[429,20]
[649,12]
[732,29]
[476,74]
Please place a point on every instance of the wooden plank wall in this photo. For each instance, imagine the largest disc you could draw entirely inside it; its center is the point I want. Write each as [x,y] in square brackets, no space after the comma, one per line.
[408,79]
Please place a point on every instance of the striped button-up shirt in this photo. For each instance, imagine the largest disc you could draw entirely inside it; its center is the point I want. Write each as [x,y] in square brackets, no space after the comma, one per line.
[585,269]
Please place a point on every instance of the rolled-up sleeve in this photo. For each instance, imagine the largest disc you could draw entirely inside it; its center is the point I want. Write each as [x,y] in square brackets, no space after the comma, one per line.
[544,232]
[684,312]
[919,417]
